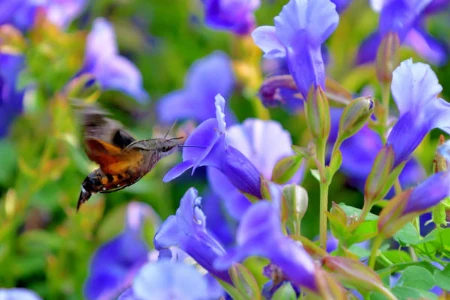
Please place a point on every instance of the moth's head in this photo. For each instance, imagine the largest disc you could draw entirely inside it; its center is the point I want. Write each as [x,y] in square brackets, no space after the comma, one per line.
[168,146]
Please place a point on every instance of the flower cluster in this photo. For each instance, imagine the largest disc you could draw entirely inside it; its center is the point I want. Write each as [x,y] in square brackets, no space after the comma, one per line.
[254,218]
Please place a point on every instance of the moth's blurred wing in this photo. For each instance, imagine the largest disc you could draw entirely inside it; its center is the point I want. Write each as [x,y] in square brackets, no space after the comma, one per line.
[97,125]
[111,158]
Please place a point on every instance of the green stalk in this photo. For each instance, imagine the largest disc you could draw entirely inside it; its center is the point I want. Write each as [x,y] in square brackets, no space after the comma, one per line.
[324,186]
[375,246]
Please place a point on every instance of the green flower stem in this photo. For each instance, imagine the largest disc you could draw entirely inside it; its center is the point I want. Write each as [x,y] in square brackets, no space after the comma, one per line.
[324,186]
[375,246]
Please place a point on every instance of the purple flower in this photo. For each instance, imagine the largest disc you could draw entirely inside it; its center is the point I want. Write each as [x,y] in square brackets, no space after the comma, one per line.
[116,262]
[264,143]
[187,230]
[300,29]
[219,224]
[167,280]
[415,88]
[406,18]
[341,5]
[429,193]
[260,234]
[231,15]
[18,294]
[11,99]
[112,71]
[206,78]
[208,147]
[22,13]
[359,153]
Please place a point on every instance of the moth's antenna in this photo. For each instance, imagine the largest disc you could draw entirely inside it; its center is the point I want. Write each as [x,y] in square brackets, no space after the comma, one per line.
[171,127]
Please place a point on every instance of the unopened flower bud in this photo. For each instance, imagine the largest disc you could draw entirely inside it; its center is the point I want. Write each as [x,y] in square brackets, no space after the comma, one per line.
[390,219]
[387,57]
[382,176]
[286,168]
[318,114]
[296,204]
[353,272]
[354,116]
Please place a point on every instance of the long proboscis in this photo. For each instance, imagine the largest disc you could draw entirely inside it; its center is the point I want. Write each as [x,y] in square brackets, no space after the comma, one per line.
[191,146]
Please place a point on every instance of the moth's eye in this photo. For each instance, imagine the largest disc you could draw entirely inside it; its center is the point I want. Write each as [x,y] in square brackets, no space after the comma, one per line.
[165,149]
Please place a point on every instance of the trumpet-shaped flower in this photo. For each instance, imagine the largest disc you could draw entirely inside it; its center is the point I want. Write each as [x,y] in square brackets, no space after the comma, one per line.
[429,193]
[167,280]
[206,78]
[219,224]
[264,143]
[112,71]
[231,15]
[300,30]
[11,99]
[115,263]
[260,234]
[187,230]
[415,88]
[208,146]
[406,18]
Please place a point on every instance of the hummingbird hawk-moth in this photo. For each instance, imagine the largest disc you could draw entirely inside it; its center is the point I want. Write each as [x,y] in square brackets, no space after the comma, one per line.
[123,160]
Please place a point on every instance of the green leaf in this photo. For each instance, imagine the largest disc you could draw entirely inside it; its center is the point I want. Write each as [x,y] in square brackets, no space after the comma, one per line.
[353,211]
[232,291]
[245,282]
[315,174]
[406,293]
[443,278]
[416,277]
[408,235]
[285,292]
[359,251]
[397,256]
[402,266]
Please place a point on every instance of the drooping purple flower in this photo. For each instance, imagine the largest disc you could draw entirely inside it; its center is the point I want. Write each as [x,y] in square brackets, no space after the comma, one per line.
[111,70]
[359,153]
[231,15]
[206,78]
[23,13]
[264,143]
[407,19]
[429,193]
[11,99]
[18,294]
[167,280]
[187,230]
[116,262]
[208,146]
[300,30]
[341,5]
[260,234]
[415,88]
